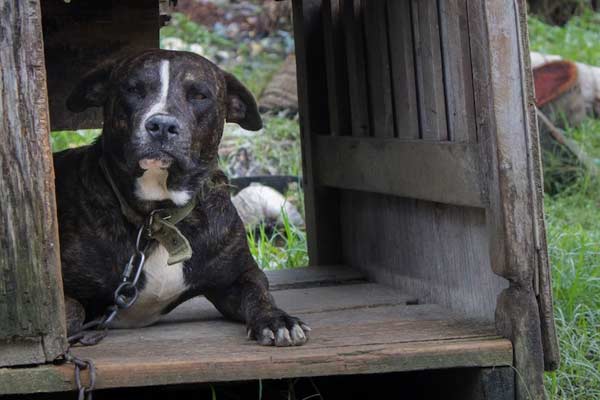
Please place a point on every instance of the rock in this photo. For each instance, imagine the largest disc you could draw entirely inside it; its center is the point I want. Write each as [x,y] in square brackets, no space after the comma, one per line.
[258,204]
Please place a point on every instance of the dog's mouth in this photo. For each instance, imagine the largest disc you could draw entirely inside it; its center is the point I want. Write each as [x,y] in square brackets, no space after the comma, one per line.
[156,159]
[149,163]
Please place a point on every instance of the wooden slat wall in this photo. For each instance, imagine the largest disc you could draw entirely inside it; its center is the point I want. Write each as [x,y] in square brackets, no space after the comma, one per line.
[456,50]
[321,203]
[404,74]
[438,253]
[378,68]
[357,76]
[406,110]
[430,76]
[32,323]
[337,76]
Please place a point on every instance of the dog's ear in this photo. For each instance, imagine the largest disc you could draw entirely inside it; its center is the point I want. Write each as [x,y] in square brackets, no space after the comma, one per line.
[241,106]
[92,90]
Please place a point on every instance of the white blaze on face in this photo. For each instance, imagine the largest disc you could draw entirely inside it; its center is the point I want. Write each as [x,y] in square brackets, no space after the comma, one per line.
[152,185]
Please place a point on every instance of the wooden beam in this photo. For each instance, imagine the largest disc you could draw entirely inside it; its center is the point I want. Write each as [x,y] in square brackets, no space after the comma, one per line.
[441,172]
[32,325]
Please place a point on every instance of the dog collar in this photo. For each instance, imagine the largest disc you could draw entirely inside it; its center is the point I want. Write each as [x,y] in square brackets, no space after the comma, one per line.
[160,223]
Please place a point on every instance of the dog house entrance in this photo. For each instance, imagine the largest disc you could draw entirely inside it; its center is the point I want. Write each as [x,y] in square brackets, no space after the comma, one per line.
[409,231]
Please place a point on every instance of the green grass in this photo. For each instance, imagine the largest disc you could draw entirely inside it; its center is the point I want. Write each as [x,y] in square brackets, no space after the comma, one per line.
[573,219]
[573,227]
[579,40]
[283,249]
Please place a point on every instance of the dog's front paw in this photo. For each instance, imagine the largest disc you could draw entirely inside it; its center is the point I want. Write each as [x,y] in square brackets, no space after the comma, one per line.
[278,329]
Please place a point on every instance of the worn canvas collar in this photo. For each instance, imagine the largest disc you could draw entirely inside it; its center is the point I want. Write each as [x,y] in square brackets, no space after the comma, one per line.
[160,223]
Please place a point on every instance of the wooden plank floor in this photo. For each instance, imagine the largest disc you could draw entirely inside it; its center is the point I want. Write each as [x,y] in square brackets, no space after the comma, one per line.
[357,328]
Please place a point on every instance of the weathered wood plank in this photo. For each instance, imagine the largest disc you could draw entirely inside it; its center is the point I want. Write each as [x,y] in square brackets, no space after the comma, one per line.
[363,340]
[307,301]
[430,74]
[513,182]
[31,298]
[81,34]
[442,172]
[312,276]
[406,111]
[381,112]
[357,77]
[273,364]
[543,289]
[458,76]
[336,64]
[321,204]
[439,253]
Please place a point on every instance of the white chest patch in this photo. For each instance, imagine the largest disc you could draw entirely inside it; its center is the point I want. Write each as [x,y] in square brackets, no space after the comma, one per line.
[152,186]
[164,284]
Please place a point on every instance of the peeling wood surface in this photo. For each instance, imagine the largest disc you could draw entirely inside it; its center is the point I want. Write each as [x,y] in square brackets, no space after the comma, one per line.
[202,347]
[31,299]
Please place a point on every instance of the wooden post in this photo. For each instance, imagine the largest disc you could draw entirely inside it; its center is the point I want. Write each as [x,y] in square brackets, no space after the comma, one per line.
[32,322]
[510,151]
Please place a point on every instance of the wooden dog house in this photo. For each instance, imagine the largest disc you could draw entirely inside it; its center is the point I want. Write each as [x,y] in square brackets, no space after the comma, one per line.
[423,202]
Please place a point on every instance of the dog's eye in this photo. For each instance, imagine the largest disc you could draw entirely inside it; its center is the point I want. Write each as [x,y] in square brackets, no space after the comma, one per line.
[196,95]
[136,90]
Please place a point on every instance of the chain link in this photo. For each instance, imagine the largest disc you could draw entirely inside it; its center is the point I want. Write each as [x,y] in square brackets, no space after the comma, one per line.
[124,297]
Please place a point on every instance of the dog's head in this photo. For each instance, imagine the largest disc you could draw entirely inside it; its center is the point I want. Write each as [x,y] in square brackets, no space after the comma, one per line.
[165,110]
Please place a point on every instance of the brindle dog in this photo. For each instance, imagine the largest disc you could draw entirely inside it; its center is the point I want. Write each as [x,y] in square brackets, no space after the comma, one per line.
[164,113]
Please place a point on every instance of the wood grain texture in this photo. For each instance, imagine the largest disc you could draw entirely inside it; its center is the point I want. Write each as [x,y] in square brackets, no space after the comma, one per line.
[31,298]
[430,72]
[320,204]
[81,34]
[307,301]
[442,172]
[379,84]
[357,76]
[458,76]
[348,341]
[406,111]
[337,68]
[436,252]
[312,276]
[518,249]
[543,289]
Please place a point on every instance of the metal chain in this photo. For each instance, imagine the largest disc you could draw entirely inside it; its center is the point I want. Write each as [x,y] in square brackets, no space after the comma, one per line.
[124,297]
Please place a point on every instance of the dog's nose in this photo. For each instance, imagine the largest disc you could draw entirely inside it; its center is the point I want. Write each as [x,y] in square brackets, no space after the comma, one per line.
[161,126]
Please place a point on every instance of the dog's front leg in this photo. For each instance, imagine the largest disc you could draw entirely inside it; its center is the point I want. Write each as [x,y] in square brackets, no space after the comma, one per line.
[248,300]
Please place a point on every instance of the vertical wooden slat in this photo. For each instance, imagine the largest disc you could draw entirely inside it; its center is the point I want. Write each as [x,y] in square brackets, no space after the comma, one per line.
[406,112]
[357,76]
[378,68]
[32,323]
[337,73]
[430,72]
[321,204]
[457,70]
